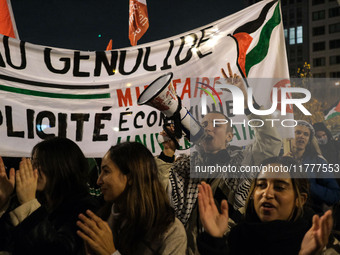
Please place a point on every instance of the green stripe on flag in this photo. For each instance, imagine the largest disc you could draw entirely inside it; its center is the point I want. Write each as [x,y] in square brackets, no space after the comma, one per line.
[332,115]
[259,52]
[52,95]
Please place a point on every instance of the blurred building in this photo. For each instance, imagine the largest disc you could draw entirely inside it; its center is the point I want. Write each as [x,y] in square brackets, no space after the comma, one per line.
[312,32]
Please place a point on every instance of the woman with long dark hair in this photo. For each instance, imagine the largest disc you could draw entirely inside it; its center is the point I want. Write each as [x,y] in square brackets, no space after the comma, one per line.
[140,219]
[51,191]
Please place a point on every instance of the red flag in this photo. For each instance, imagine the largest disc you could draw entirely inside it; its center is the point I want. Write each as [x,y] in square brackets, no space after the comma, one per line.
[138,20]
[109,46]
[7,23]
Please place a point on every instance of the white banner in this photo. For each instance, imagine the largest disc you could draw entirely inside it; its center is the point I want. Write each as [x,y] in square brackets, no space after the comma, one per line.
[90,97]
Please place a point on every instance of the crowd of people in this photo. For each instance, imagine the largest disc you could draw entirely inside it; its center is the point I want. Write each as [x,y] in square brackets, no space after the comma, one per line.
[152,205]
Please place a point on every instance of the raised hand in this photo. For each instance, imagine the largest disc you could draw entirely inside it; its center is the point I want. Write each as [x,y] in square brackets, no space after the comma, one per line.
[168,144]
[96,233]
[26,181]
[214,223]
[6,184]
[317,236]
[235,80]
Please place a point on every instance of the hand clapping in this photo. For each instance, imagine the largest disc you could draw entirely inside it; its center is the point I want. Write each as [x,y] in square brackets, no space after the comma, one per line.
[317,236]
[96,233]
[6,184]
[214,223]
[26,181]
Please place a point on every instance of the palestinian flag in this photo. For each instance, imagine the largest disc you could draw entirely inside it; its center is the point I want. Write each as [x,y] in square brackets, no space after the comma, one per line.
[333,111]
[261,45]
[261,57]
[7,22]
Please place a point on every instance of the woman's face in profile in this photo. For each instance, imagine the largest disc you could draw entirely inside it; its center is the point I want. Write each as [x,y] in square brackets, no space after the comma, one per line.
[274,196]
[111,180]
[42,180]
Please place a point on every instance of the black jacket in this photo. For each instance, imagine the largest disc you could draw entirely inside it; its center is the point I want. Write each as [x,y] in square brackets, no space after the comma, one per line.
[47,233]
[330,150]
[258,238]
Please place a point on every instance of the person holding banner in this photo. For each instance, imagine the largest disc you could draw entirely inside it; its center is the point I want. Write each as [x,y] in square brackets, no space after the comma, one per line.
[50,191]
[139,217]
[215,149]
[276,218]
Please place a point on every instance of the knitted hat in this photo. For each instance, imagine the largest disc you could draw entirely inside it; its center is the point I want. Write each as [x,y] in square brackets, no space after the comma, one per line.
[308,125]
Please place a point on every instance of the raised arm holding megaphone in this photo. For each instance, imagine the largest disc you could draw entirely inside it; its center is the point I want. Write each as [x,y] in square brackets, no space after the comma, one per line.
[161,95]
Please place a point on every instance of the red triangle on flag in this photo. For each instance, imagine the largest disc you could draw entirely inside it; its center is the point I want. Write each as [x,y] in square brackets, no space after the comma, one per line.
[337,108]
[243,40]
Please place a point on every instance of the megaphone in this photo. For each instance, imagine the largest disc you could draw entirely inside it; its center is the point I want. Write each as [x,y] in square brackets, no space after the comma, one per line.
[161,95]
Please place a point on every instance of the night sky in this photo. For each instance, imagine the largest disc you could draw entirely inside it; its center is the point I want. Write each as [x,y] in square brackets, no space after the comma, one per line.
[90,24]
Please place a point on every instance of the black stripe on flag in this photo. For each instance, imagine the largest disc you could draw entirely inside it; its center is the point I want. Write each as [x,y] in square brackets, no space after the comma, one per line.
[253,25]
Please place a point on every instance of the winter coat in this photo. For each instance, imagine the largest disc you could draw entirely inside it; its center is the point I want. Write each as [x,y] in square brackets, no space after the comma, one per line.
[263,238]
[323,190]
[44,232]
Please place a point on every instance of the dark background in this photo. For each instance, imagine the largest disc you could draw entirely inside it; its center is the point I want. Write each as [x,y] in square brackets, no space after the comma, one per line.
[90,24]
